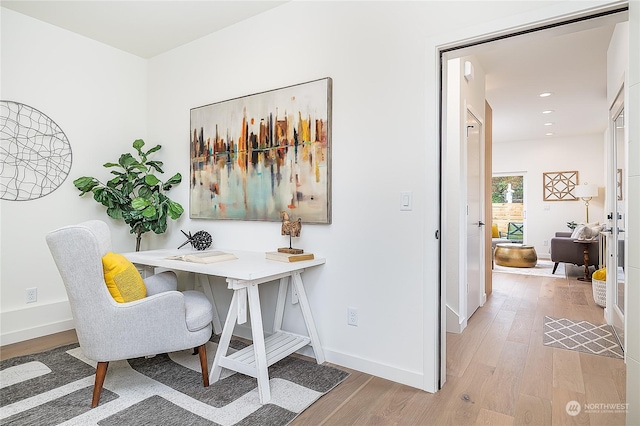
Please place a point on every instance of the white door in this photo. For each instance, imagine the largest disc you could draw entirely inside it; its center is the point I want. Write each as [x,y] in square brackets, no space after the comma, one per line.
[615,236]
[475,223]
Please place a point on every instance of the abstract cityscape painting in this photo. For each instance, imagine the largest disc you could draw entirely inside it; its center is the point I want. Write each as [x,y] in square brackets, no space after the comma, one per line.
[256,156]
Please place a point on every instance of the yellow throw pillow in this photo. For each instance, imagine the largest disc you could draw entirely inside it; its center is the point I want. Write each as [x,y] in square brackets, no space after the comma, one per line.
[600,274]
[494,231]
[123,279]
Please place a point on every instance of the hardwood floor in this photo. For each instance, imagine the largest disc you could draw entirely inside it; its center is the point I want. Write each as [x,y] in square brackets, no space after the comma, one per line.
[40,344]
[498,370]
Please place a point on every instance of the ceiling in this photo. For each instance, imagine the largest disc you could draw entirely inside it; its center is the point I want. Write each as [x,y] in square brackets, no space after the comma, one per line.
[569,61]
[143,28]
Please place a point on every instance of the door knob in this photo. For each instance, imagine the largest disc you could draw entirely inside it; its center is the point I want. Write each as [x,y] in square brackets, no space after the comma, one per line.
[480,223]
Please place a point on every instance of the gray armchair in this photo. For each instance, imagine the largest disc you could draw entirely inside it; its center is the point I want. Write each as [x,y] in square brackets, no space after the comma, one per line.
[165,320]
[563,249]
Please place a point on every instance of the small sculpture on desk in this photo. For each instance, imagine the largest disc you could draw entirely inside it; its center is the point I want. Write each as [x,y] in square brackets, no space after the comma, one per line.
[201,240]
[292,229]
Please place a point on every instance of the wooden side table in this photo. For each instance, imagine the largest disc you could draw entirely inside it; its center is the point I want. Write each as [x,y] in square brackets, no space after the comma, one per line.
[585,251]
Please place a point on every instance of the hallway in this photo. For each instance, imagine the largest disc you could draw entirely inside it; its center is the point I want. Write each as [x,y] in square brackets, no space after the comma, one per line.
[500,362]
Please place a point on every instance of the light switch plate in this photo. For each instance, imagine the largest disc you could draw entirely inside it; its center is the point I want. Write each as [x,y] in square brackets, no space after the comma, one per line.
[406,201]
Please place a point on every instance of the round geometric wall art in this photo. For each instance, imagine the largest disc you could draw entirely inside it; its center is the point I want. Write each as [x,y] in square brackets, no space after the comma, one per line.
[35,153]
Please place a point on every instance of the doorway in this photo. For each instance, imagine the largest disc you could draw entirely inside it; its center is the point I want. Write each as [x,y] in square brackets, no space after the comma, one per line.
[464,51]
[508,209]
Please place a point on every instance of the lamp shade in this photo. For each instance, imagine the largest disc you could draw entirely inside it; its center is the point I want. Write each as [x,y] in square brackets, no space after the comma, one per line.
[585,191]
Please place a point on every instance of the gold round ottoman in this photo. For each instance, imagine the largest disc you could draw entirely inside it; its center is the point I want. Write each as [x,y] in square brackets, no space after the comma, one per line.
[516,255]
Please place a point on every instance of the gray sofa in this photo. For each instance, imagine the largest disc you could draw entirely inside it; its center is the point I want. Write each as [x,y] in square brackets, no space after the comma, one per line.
[563,249]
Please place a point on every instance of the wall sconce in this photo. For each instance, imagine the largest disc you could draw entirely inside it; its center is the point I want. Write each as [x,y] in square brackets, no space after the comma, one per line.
[586,192]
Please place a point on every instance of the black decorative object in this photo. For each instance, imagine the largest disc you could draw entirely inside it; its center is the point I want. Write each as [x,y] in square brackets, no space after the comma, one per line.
[201,240]
[36,154]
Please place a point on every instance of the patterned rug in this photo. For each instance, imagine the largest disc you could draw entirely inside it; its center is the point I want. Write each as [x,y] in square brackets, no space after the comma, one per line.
[581,336]
[56,386]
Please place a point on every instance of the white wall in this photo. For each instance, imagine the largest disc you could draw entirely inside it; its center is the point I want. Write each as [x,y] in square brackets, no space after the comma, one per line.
[374,250]
[97,95]
[535,157]
[617,60]
[384,70]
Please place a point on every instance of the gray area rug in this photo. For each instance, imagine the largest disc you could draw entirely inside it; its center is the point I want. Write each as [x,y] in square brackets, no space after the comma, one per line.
[597,339]
[55,387]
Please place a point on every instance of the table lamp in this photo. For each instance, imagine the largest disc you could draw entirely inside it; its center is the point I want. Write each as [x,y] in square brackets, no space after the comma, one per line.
[586,192]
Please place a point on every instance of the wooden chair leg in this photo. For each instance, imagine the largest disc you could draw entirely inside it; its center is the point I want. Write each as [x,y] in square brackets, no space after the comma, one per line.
[202,351]
[555,266]
[101,372]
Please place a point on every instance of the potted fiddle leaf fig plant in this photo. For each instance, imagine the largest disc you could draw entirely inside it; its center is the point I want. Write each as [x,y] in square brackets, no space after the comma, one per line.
[135,194]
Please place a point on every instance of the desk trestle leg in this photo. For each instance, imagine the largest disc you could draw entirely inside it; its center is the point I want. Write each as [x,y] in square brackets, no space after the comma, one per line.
[255,365]
[255,359]
[204,282]
[225,338]
[308,318]
[257,334]
[280,302]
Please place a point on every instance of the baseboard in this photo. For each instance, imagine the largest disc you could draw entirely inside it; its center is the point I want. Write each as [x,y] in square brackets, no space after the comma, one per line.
[25,324]
[398,375]
[409,378]
[35,332]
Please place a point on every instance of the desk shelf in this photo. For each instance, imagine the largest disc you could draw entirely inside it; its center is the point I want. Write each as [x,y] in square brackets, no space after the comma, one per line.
[278,346]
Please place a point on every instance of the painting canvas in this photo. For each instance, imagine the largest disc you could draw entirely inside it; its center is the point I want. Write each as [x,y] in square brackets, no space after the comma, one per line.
[256,156]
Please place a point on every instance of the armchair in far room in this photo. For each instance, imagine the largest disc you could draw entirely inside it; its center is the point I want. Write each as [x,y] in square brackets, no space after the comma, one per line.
[563,249]
[515,232]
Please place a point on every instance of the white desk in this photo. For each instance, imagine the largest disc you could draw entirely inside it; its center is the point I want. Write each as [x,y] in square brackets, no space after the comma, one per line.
[243,277]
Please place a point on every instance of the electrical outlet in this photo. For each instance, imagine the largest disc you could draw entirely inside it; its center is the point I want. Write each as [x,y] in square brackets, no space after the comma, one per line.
[352,316]
[32,295]
[546,243]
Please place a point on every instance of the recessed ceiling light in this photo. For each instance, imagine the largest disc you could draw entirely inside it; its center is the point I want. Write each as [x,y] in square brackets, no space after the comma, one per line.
[548,124]
[545,94]
[549,111]
[548,134]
